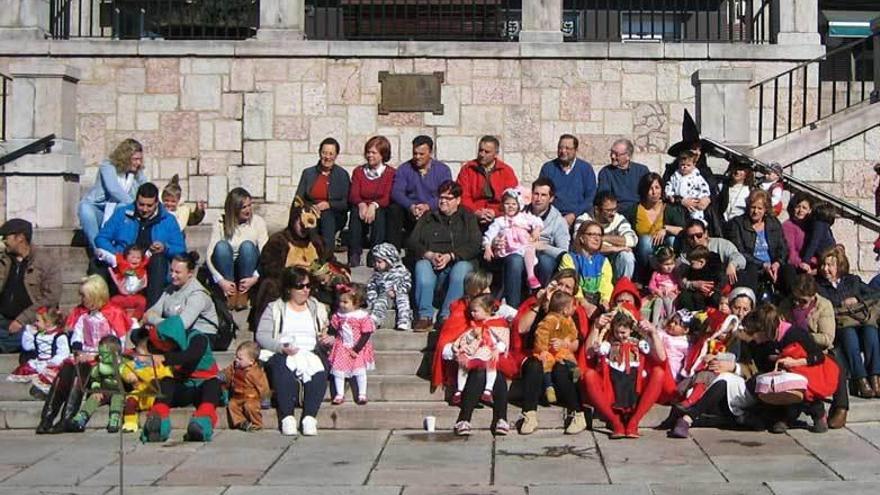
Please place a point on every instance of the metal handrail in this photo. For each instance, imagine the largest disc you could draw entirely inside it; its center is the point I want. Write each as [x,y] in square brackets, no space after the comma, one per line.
[42,145]
[5,86]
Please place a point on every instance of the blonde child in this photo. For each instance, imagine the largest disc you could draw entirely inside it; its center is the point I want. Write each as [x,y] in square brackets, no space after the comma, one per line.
[185,214]
[687,184]
[142,375]
[663,285]
[248,387]
[352,354]
[515,232]
[44,348]
[480,346]
[557,324]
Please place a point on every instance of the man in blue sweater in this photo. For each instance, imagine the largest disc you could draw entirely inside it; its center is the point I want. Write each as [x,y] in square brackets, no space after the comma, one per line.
[622,176]
[147,224]
[414,191]
[573,178]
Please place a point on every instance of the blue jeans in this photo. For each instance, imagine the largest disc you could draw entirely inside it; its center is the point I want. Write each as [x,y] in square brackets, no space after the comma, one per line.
[427,280]
[235,269]
[514,272]
[331,222]
[623,264]
[90,218]
[857,340]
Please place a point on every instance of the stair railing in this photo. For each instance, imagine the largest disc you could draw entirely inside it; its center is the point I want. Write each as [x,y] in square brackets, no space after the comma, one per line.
[42,145]
[788,102]
[5,88]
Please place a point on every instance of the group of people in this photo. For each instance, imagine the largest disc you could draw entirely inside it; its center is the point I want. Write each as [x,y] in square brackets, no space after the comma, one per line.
[603,296]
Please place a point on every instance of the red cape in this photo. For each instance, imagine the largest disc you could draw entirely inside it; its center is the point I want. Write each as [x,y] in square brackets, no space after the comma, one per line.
[511,364]
[119,320]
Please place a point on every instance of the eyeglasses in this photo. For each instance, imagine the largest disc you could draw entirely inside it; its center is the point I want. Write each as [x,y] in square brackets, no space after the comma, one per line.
[447,198]
[302,286]
[614,153]
[609,210]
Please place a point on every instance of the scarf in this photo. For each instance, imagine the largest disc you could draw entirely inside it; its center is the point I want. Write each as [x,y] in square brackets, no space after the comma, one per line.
[373,174]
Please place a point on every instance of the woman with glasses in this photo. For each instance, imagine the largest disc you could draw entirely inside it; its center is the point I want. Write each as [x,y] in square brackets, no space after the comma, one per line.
[293,328]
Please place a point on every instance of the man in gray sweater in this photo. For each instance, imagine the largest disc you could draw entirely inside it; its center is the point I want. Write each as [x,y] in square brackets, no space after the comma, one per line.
[695,234]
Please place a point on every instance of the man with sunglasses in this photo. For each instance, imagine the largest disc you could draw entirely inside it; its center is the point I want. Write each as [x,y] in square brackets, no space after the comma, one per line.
[695,234]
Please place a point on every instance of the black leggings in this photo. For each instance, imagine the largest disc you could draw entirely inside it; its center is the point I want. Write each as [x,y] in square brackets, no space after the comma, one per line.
[176,393]
[66,393]
[533,385]
[713,401]
[473,389]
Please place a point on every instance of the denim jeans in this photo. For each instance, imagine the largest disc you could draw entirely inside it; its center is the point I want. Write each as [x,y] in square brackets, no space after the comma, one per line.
[356,228]
[623,264]
[330,223]
[9,342]
[235,269]
[857,340]
[644,250]
[287,388]
[514,272]
[427,280]
[90,218]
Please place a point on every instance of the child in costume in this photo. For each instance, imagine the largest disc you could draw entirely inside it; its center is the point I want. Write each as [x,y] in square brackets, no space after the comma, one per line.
[326,276]
[352,353]
[44,347]
[593,268]
[141,374]
[480,346]
[103,387]
[129,273]
[519,230]
[713,345]
[557,324]
[389,286]
[625,375]
[184,213]
[676,340]
[248,387]
[663,285]
[687,183]
[772,183]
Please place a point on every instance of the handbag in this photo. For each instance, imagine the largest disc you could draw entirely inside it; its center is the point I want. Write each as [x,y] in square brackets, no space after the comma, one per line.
[780,388]
[858,314]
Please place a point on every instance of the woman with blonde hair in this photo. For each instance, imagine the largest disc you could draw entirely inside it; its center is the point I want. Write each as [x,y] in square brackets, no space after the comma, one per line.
[119,176]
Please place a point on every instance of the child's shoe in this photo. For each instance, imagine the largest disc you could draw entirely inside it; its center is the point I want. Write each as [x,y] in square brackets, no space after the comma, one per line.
[487,398]
[130,423]
[79,422]
[456,399]
[550,393]
[534,283]
[361,400]
[462,428]
[265,404]
[337,400]
[577,424]
[114,423]
[681,430]
[502,428]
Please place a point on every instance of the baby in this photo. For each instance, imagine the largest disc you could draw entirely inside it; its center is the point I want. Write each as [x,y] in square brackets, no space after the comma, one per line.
[516,232]
[557,325]
[129,272]
[248,386]
[687,183]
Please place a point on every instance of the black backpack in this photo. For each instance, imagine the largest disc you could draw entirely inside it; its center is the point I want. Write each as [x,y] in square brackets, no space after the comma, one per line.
[226,327]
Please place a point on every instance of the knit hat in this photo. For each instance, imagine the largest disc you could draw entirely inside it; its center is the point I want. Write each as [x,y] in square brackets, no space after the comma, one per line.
[775,168]
[522,196]
[742,291]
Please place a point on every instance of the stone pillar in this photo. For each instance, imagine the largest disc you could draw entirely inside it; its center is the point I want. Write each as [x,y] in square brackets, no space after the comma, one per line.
[282,20]
[722,103]
[875,28]
[43,188]
[797,22]
[24,19]
[541,21]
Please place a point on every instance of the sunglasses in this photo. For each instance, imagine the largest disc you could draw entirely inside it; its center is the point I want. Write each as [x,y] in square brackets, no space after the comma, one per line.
[302,286]
[696,235]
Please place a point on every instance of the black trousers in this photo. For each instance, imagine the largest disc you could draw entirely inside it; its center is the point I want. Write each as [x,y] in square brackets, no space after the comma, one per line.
[401,222]
[532,376]
[473,389]
[66,392]
[753,274]
[287,388]
[357,229]
[176,393]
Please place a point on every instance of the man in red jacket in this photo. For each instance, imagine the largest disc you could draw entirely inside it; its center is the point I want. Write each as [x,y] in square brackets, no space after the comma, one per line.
[484,180]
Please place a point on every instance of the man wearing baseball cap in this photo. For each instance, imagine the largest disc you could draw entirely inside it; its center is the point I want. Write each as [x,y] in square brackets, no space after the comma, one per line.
[28,280]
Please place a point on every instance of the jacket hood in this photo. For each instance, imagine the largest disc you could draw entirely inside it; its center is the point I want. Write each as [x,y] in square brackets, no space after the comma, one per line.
[624,284]
[168,334]
[387,253]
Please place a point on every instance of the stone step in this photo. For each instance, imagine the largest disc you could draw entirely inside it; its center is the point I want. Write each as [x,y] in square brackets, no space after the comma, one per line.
[198,235]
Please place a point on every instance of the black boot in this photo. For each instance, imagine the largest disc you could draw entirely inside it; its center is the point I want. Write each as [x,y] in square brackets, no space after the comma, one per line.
[74,401]
[51,406]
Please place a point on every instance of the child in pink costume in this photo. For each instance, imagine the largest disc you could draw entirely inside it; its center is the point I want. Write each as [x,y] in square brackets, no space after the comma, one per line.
[515,232]
[352,355]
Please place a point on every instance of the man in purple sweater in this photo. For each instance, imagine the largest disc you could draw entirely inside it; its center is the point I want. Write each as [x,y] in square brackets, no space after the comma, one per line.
[414,191]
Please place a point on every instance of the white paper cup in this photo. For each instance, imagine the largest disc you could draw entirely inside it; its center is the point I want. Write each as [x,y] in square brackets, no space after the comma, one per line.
[430,423]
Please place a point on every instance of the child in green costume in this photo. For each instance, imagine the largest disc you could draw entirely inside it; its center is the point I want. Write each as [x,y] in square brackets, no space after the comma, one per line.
[103,379]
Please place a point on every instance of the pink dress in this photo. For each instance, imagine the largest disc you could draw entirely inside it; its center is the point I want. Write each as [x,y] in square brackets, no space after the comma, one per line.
[676,348]
[516,230]
[663,283]
[350,327]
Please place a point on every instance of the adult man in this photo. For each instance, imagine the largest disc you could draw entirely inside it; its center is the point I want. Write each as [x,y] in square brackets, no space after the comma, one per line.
[573,178]
[484,180]
[414,191]
[622,176]
[618,238]
[695,235]
[30,280]
[554,241]
[443,248]
[144,223]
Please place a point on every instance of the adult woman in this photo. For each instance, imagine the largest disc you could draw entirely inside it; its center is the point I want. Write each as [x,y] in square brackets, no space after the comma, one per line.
[531,371]
[294,328]
[234,249]
[758,236]
[855,335]
[326,186]
[187,298]
[94,318]
[735,191]
[795,229]
[369,197]
[119,176]
[655,222]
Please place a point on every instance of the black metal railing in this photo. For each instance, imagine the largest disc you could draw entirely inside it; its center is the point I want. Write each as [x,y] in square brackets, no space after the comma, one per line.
[815,90]
[42,145]
[5,89]
[729,21]
[165,19]
[434,20]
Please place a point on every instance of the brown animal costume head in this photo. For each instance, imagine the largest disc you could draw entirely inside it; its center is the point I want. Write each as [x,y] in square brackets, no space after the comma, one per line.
[304,243]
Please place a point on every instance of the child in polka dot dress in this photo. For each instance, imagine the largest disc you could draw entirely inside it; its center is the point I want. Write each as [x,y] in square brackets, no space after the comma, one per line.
[352,353]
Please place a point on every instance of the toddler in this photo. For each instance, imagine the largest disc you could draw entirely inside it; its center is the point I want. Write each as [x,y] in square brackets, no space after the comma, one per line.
[557,324]
[185,214]
[707,267]
[352,354]
[695,376]
[103,387]
[663,285]
[128,270]
[772,183]
[44,347]
[389,286]
[247,386]
[516,231]
[676,341]
[141,375]
[480,345]
[687,183]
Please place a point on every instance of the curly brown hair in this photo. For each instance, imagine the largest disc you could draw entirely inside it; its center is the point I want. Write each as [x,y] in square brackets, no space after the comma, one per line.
[121,156]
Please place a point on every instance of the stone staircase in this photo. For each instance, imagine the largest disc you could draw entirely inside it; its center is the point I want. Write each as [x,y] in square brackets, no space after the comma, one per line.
[398,398]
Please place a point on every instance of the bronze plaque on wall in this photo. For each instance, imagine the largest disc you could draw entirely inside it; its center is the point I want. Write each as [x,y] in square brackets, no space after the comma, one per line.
[410,93]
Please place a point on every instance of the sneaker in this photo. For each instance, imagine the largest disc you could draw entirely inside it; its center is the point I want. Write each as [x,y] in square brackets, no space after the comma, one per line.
[502,428]
[114,423]
[681,430]
[529,423]
[456,399]
[361,400]
[462,428]
[550,393]
[423,325]
[309,426]
[404,326]
[577,424]
[337,400]
[288,426]
[487,398]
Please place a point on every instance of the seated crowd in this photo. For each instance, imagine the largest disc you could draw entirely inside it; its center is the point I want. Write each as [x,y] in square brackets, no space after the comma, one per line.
[601,296]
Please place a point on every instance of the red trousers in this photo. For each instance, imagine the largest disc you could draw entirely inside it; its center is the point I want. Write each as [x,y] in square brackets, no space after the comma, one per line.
[602,400]
[134,304]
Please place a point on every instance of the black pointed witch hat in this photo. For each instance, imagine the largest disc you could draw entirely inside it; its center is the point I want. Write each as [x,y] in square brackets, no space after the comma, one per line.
[690,134]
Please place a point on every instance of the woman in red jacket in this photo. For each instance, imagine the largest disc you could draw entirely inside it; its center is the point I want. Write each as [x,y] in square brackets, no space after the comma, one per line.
[369,196]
